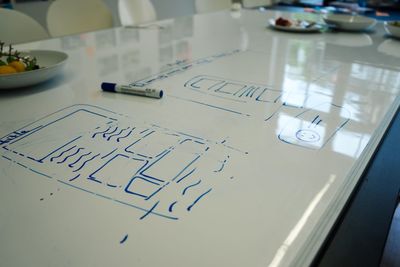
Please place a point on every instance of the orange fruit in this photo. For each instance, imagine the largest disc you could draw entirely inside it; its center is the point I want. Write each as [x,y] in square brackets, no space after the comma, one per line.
[17,65]
[5,69]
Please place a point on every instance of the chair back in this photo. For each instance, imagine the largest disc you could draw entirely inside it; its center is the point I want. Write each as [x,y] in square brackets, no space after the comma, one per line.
[257,3]
[133,12]
[66,17]
[204,6]
[17,27]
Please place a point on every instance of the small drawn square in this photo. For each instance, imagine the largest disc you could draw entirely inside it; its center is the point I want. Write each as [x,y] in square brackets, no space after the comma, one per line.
[142,187]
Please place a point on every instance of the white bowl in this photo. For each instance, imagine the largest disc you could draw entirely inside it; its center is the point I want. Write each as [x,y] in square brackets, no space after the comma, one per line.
[392,28]
[50,62]
[350,22]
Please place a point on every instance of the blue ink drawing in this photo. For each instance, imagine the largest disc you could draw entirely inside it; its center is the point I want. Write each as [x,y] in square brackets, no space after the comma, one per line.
[180,68]
[103,154]
[313,128]
[235,96]
[124,239]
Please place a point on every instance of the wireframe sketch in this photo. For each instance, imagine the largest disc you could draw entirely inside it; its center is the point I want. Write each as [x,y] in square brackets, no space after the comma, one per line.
[313,128]
[155,170]
[235,96]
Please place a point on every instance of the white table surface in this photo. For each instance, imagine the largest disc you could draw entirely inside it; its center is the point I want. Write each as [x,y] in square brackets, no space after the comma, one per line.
[265,199]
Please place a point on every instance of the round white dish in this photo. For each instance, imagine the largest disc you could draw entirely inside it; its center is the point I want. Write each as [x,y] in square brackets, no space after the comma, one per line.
[50,62]
[296,28]
[349,22]
[392,28]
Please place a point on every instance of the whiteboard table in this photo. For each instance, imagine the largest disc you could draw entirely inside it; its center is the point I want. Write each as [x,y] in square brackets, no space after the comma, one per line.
[247,160]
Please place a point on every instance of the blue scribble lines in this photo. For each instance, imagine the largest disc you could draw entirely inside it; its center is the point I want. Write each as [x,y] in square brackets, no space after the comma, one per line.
[62,153]
[155,170]
[222,164]
[189,186]
[69,156]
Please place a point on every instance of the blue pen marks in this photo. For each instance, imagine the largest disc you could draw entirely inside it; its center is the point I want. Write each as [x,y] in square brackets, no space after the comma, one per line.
[124,239]
[86,161]
[222,164]
[312,129]
[149,211]
[62,153]
[74,178]
[69,156]
[212,106]
[149,168]
[125,136]
[238,95]
[180,68]
[171,206]
[190,186]
[110,132]
[109,153]
[186,175]
[117,134]
[233,91]
[77,160]
[7,158]
[189,208]
[101,132]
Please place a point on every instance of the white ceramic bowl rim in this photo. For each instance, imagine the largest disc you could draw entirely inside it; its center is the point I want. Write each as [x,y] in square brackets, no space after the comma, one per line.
[349,18]
[393,30]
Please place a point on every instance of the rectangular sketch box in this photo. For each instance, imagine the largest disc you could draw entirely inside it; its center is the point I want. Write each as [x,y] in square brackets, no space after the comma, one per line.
[152,144]
[118,171]
[55,134]
[173,162]
[143,187]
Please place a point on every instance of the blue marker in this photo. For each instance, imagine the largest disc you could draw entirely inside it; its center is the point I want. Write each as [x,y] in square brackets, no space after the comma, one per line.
[133,90]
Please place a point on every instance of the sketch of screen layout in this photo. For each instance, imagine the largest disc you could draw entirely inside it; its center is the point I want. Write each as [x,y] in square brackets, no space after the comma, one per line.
[153,169]
[239,95]
[314,127]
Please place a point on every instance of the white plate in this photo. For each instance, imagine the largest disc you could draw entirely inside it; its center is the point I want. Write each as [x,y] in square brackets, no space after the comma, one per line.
[295,28]
[50,62]
[349,22]
[392,29]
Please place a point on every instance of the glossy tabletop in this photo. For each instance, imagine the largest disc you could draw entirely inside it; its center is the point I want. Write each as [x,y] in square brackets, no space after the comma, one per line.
[247,160]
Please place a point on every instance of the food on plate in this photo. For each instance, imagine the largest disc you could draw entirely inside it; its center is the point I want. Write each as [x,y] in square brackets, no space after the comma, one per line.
[11,61]
[5,69]
[283,22]
[294,23]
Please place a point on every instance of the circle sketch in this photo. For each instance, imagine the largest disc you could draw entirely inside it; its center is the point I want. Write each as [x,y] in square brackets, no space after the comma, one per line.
[307,135]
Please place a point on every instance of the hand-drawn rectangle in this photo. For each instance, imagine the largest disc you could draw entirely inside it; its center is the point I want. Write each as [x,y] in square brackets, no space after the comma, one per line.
[55,133]
[117,171]
[142,187]
[174,162]
[152,144]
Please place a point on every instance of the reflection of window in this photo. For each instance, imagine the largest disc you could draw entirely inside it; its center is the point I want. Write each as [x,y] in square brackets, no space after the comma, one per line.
[350,143]
[133,12]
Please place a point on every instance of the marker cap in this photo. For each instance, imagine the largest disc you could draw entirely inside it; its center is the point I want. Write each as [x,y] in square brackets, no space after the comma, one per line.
[109,87]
